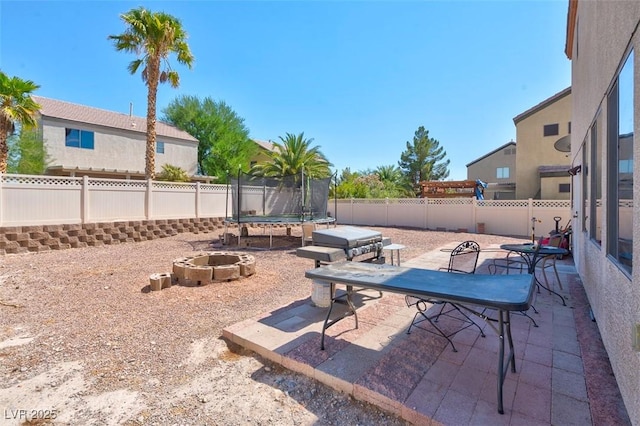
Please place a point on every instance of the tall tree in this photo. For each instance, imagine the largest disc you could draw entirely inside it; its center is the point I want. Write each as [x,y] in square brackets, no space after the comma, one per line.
[17,108]
[27,153]
[153,36]
[292,156]
[224,143]
[422,160]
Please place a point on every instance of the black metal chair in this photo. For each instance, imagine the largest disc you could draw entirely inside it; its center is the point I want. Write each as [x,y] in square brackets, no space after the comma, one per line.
[463,260]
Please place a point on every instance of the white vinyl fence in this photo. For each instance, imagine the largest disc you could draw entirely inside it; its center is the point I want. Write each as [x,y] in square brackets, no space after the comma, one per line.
[48,200]
[503,217]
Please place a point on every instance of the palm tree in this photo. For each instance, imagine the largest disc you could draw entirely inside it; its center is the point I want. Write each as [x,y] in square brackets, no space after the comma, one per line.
[394,180]
[292,156]
[154,36]
[16,108]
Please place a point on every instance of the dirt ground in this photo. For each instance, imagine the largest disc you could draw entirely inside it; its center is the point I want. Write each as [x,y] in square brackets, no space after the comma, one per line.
[83,340]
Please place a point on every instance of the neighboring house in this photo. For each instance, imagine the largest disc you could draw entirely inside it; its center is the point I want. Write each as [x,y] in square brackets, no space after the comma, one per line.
[82,140]
[541,169]
[262,155]
[602,43]
[498,170]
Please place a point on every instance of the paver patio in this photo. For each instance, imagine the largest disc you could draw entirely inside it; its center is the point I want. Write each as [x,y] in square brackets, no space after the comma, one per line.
[563,372]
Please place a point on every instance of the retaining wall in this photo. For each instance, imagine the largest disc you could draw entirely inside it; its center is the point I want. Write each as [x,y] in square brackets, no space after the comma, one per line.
[23,239]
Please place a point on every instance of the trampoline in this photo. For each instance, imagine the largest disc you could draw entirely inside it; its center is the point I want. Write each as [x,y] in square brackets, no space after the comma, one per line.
[270,201]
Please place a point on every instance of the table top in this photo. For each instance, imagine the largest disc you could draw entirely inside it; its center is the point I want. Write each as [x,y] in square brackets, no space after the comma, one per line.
[530,248]
[394,247]
[323,254]
[504,292]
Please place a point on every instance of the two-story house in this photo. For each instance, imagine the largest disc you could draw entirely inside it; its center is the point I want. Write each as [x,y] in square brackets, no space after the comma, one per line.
[497,168]
[538,166]
[82,140]
[541,169]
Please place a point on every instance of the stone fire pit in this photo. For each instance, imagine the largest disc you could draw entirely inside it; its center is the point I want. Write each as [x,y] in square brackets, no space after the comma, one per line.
[205,268]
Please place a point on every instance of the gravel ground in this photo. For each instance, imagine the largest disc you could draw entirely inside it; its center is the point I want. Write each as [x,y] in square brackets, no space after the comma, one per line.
[84,341]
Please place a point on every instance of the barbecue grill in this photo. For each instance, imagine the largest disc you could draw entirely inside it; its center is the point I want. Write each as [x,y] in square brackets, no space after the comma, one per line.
[337,244]
[354,241]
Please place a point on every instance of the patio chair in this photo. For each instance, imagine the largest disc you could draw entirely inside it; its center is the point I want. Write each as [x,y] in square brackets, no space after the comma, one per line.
[463,260]
[555,240]
[512,261]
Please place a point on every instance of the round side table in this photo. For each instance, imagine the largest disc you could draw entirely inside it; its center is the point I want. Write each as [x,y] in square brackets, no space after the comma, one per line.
[396,248]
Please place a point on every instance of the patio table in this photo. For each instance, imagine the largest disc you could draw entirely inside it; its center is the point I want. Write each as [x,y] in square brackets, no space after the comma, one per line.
[503,293]
[532,254]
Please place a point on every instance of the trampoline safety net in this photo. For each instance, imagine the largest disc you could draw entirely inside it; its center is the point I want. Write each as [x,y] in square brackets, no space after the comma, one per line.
[293,198]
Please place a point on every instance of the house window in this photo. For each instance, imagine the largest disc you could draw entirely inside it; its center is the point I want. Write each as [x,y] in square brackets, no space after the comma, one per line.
[78,138]
[564,187]
[502,172]
[586,183]
[620,168]
[551,129]
[569,128]
[625,166]
[159,147]
[595,185]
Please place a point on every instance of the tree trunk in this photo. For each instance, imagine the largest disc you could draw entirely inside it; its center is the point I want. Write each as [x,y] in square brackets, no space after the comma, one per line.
[153,75]
[4,149]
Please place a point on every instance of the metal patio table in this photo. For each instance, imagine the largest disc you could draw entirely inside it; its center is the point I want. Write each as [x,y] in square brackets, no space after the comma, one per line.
[532,254]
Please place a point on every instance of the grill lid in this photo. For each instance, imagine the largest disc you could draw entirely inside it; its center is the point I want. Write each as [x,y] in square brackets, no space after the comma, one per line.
[345,237]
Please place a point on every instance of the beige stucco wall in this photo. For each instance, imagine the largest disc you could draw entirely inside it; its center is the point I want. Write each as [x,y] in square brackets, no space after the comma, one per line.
[486,168]
[603,33]
[115,149]
[536,150]
[549,188]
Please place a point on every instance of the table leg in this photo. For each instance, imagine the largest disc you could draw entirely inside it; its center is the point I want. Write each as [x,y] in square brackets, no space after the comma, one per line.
[532,270]
[512,358]
[500,361]
[352,311]
[326,320]
[539,283]
[504,327]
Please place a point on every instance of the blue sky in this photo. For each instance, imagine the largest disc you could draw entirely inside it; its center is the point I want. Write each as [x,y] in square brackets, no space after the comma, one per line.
[359,77]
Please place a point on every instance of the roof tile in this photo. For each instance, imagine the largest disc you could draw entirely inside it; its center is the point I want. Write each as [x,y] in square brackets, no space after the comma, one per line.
[84,114]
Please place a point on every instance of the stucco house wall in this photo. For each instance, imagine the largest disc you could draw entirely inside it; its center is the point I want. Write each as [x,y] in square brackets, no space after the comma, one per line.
[599,34]
[119,142]
[535,149]
[485,168]
[549,188]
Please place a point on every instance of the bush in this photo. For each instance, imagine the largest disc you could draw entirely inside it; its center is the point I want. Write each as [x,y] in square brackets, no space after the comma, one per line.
[173,174]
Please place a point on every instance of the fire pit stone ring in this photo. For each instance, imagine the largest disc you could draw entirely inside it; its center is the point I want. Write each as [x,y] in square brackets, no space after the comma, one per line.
[205,268]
